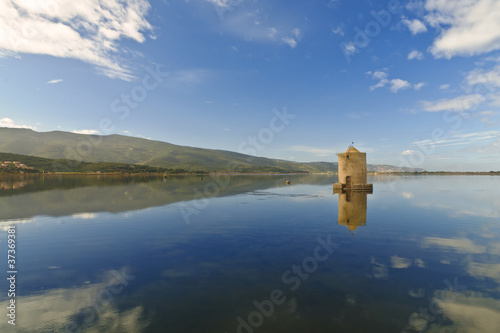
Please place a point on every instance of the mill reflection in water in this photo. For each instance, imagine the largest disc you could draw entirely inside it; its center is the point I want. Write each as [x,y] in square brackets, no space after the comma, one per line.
[352,209]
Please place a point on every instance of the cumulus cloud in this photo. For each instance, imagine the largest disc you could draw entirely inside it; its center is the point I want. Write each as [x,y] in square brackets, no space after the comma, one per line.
[398,84]
[468,27]
[85,30]
[415,55]
[461,103]
[85,131]
[8,122]
[415,26]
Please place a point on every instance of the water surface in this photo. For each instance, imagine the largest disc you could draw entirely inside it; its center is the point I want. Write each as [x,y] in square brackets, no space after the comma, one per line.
[251,254]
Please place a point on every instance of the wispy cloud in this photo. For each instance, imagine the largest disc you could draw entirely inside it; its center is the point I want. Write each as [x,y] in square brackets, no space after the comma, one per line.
[444,86]
[461,103]
[87,30]
[248,21]
[321,152]
[415,55]
[8,122]
[292,41]
[461,139]
[54,81]
[484,77]
[189,77]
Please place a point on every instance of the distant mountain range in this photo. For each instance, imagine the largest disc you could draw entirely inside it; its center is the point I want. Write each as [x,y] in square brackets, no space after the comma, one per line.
[125,149]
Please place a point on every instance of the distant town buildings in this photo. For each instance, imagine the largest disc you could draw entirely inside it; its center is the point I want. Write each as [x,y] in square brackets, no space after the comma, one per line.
[14,164]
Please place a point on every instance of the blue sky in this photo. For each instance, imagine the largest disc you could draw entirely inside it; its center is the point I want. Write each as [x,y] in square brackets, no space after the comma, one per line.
[412,83]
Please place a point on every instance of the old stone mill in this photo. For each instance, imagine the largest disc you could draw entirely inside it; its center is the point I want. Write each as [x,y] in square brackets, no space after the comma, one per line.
[352,188]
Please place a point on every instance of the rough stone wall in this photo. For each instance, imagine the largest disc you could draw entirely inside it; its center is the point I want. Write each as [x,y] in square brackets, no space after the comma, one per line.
[354,165]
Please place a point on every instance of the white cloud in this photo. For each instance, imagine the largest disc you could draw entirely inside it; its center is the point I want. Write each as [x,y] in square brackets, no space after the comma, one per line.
[85,30]
[461,103]
[399,262]
[322,152]
[460,245]
[394,84]
[468,27]
[7,122]
[224,3]
[54,81]
[460,139]
[398,84]
[418,86]
[415,26]
[480,76]
[408,152]
[415,55]
[444,86]
[290,41]
[85,131]
[252,24]
[382,77]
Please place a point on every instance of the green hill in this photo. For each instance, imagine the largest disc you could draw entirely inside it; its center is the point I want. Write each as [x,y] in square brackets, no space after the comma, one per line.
[34,164]
[124,149]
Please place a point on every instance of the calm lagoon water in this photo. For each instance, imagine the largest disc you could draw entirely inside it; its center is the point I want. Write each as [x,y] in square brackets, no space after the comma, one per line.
[118,254]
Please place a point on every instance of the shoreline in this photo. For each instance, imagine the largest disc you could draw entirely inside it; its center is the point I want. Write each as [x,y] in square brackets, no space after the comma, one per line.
[164,175]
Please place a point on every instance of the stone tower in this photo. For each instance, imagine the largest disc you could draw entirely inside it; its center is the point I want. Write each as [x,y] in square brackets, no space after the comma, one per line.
[352,171]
